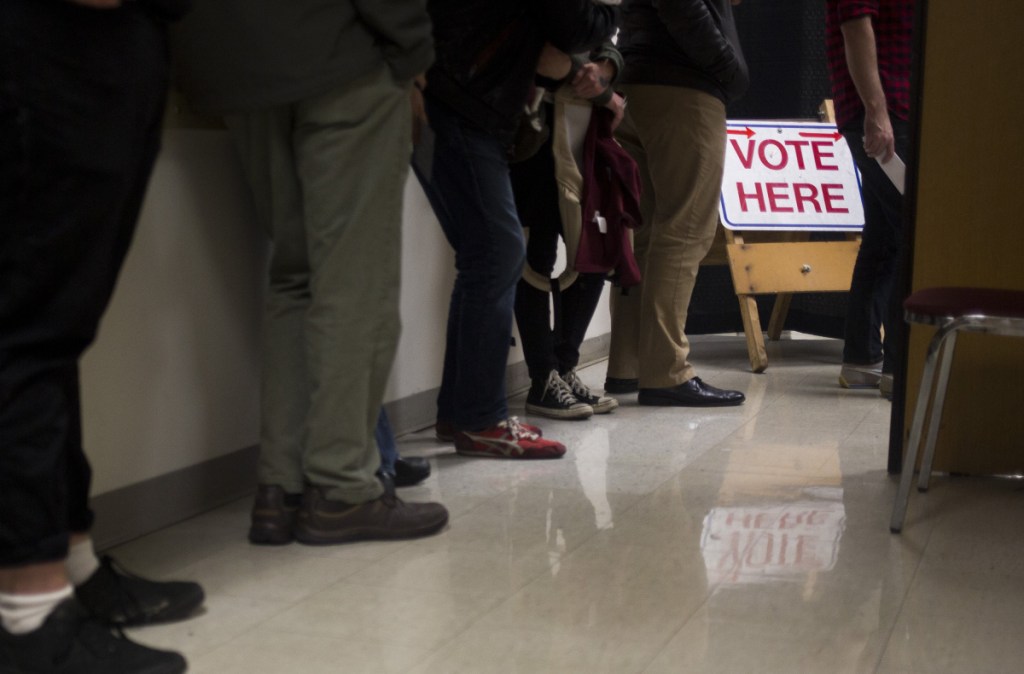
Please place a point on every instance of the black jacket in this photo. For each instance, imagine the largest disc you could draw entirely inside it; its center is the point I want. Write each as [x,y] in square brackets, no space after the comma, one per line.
[487,52]
[686,43]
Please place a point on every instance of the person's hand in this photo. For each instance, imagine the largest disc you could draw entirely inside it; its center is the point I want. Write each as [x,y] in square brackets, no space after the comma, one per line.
[592,79]
[97,4]
[419,110]
[618,107]
[878,137]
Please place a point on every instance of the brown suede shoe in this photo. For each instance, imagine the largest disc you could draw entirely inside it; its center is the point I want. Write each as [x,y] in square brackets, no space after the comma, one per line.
[273,515]
[324,522]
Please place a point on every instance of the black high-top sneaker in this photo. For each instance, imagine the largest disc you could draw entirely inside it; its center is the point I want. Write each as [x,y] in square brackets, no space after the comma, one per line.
[601,404]
[552,397]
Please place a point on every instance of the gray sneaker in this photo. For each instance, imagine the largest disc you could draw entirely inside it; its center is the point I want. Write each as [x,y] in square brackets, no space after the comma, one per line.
[885,386]
[322,521]
[600,404]
[860,376]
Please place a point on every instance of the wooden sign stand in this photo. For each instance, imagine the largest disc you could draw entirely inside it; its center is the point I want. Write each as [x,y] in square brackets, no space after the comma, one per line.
[783,263]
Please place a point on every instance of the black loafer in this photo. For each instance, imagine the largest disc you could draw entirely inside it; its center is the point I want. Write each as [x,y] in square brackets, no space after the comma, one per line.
[615,385]
[411,471]
[692,393]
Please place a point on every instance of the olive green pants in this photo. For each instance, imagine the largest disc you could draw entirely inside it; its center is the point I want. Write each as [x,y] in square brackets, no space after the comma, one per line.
[328,174]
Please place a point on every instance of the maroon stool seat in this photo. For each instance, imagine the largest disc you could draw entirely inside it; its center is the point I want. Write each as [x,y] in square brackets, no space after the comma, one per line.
[934,306]
[953,310]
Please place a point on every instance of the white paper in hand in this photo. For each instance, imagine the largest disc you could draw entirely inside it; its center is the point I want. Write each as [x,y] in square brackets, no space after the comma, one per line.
[895,169]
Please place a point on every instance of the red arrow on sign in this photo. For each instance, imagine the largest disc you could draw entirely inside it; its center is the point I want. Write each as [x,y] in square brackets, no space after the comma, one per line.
[835,135]
[748,132]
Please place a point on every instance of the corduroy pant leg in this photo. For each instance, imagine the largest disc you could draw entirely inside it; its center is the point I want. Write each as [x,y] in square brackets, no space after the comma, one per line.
[682,132]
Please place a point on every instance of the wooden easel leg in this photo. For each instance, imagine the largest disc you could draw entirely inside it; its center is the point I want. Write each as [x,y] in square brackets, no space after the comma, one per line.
[779,313]
[752,328]
[751,319]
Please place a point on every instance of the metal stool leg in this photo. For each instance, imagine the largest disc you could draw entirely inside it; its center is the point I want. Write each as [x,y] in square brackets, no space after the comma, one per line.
[948,347]
[899,511]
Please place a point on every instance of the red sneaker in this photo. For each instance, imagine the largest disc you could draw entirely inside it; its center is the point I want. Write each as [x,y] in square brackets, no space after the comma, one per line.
[445,431]
[508,439]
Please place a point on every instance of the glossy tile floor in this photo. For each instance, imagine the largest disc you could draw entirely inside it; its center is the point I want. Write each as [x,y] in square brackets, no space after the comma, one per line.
[749,539]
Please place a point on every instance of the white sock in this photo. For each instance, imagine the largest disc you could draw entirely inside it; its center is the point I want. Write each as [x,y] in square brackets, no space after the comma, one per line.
[81,562]
[22,613]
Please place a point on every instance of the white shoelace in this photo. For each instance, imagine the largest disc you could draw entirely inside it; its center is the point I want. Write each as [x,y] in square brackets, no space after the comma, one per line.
[518,431]
[578,388]
[562,392]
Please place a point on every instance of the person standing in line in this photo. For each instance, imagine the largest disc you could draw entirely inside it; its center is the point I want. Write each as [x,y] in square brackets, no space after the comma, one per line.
[683,65]
[82,91]
[316,98]
[869,56]
[487,57]
[556,390]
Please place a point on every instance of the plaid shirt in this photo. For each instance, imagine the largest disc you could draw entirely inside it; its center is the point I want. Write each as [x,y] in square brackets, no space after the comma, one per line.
[892,21]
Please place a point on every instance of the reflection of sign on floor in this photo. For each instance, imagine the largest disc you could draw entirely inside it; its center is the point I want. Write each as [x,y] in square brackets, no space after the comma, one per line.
[784,542]
[789,176]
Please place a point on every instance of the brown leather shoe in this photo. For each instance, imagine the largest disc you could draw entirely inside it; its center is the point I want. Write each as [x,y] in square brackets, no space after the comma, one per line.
[324,522]
[273,515]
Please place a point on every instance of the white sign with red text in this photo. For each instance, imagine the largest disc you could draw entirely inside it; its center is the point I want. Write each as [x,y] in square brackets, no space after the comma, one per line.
[786,176]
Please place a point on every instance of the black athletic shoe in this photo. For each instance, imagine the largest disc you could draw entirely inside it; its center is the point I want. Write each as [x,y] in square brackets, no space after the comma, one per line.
[410,471]
[115,597]
[71,641]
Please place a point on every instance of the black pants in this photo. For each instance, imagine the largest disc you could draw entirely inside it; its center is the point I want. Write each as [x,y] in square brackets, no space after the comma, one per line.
[546,348]
[82,94]
[873,302]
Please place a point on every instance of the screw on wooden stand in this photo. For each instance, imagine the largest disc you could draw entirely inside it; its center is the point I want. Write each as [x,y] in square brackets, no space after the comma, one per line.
[806,269]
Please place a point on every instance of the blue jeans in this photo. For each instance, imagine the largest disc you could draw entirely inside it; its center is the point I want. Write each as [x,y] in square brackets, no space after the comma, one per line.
[386,445]
[872,303]
[465,174]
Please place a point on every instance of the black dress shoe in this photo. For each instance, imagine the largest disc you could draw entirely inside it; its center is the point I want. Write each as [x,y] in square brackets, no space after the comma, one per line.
[411,471]
[615,385]
[692,393]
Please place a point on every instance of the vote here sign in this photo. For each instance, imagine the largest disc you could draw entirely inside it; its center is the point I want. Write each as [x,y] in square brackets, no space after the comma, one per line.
[789,176]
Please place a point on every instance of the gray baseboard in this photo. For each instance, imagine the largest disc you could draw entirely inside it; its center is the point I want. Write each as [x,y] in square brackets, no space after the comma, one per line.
[419,411]
[144,507]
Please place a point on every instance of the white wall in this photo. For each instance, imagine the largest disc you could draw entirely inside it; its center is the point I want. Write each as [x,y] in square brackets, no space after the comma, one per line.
[173,378]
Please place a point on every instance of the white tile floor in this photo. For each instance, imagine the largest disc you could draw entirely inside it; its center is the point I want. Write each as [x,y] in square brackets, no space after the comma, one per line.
[750,539]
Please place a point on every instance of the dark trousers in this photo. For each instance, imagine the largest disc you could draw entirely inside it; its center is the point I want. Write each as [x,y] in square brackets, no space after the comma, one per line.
[464,174]
[548,347]
[872,303]
[81,98]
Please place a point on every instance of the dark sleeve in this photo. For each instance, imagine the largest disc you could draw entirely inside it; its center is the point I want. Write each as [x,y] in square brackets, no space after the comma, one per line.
[696,33]
[608,52]
[574,25]
[402,27]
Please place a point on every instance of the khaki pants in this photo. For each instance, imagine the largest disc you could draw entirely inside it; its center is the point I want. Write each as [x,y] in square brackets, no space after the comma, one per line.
[677,136]
[328,174]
